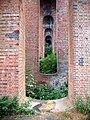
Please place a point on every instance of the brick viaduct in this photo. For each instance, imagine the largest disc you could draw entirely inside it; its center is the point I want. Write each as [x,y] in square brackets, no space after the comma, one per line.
[20,44]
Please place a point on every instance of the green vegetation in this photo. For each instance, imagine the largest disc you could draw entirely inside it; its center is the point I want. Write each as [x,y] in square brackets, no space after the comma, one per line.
[83,106]
[30,81]
[10,107]
[44,92]
[48,49]
[30,78]
[26,108]
[48,65]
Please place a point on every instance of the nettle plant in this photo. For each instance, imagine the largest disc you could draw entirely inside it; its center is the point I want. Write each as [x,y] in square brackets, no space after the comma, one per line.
[43,92]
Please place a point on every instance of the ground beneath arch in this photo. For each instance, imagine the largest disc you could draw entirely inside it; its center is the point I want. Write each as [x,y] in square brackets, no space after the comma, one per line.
[68,115]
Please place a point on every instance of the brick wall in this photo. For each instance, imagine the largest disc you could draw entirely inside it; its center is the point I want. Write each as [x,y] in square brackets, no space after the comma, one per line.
[42,27]
[31,32]
[9,44]
[32,14]
[21,80]
[35,36]
[79,48]
[62,36]
[10,51]
[72,38]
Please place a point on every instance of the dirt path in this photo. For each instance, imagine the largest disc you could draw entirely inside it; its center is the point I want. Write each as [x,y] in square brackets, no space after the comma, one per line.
[72,115]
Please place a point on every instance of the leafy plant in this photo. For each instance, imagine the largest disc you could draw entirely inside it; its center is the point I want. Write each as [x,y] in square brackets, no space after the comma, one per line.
[7,106]
[44,92]
[48,49]
[26,108]
[29,77]
[11,107]
[48,65]
[83,106]
[30,81]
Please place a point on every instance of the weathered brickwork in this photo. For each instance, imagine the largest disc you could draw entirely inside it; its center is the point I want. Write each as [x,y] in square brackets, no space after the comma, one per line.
[80,52]
[20,41]
[62,33]
[21,65]
[35,37]
[32,14]
[10,51]
[61,43]
[9,44]
[42,8]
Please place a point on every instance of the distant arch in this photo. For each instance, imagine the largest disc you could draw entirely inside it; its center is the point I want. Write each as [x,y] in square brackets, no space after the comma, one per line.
[48,32]
[48,20]
[48,39]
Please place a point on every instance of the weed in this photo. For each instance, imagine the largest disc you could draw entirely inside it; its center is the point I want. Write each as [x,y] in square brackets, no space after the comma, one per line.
[83,106]
[44,92]
[48,65]
[10,107]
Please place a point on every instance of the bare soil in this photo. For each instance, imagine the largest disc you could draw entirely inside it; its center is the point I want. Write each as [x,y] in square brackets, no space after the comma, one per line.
[69,115]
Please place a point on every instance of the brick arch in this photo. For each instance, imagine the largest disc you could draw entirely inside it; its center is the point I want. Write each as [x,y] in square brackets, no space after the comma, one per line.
[70,28]
[48,19]
[48,31]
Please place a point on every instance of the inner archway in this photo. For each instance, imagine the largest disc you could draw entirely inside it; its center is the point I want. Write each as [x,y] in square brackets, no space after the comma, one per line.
[50,60]
[48,21]
[48,45]
[30,31]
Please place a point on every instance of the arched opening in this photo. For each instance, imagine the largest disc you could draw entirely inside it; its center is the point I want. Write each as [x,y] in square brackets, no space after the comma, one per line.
[48,45]
[49,32]
[49,54]
[48,21]
[48,40]
[50,81]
